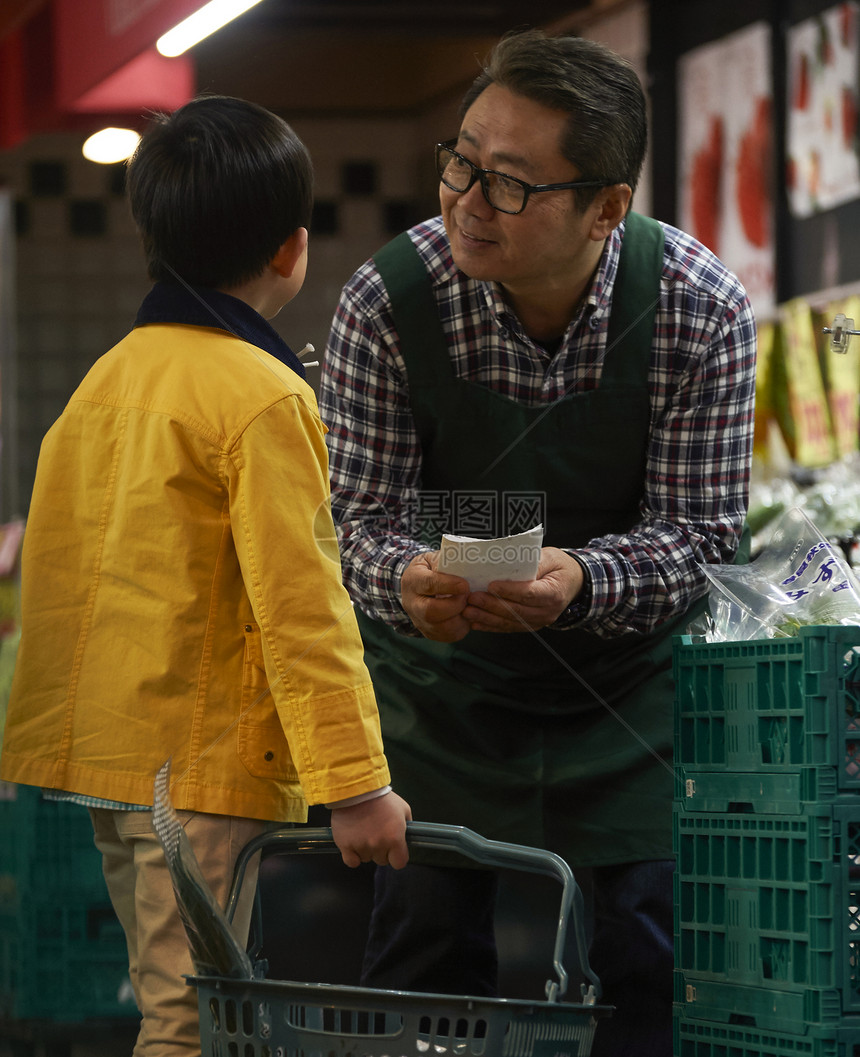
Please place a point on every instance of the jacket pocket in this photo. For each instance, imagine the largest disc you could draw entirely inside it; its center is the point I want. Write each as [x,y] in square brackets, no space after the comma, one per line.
[263,747]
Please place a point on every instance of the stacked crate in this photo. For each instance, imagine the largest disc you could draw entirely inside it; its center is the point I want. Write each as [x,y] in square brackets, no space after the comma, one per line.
[62,952]
[767,838]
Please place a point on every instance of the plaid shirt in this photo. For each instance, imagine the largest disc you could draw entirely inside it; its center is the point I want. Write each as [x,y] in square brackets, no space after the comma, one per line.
[702,383]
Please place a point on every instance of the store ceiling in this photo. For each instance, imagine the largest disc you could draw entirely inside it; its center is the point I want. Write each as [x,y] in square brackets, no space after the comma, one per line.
[342,57]
[363,55]
[417,17]
[432,17]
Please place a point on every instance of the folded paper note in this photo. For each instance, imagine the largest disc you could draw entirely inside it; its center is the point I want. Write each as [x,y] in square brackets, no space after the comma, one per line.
[483,561]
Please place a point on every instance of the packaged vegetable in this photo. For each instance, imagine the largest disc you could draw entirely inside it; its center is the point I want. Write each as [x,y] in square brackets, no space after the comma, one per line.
[799,578]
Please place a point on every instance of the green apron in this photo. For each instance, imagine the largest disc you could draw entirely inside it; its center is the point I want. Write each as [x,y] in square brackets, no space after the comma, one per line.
[559,739]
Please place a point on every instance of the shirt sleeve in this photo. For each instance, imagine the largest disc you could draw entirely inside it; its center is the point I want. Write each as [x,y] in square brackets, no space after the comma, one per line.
[702,387]
[697,470]
[374,451]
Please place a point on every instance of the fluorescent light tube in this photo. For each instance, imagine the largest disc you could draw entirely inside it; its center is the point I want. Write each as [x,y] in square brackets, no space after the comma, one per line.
[206,20]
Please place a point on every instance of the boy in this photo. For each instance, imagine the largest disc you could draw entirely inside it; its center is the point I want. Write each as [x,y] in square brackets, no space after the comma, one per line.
[181,589]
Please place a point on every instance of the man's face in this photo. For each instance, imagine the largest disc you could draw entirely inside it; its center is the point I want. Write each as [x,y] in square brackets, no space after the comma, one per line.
[546,243]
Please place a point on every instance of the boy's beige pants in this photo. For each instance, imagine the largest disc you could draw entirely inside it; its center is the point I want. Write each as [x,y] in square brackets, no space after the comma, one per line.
[141,891]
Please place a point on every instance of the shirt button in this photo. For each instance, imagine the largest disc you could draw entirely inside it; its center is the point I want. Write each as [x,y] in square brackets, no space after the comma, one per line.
[594,322]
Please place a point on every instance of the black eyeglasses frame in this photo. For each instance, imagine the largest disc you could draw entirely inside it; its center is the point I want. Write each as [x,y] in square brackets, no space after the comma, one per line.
[477,173]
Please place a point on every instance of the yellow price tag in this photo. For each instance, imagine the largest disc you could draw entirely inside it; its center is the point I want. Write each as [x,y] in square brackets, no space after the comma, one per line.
[807,398]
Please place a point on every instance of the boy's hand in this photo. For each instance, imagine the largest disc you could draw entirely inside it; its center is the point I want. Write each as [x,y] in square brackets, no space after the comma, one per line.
[373,831]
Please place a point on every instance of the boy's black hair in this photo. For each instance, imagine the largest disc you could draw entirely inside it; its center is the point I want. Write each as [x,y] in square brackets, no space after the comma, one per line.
[215,189]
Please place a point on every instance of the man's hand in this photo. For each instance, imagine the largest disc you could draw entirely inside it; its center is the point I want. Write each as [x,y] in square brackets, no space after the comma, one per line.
[373,831]
[435,601]
[527,605]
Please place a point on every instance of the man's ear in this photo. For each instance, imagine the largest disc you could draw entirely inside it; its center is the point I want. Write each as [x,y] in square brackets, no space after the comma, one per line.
[612,204]
[291,252]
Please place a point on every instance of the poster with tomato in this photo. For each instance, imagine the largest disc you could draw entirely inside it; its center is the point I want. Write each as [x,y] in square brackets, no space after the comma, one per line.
[821,157]
[726,156]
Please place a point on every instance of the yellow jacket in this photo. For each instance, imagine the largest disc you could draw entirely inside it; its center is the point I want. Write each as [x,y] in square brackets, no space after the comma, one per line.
[182,591]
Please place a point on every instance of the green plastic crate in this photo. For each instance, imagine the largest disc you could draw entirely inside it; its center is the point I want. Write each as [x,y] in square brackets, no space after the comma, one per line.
[780,792]
[63,961]
[62,952]
[46,847]
[697,1038]
[770,706]
[767,924]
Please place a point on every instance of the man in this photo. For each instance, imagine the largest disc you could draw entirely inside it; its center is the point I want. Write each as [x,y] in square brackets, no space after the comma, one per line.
[538,348]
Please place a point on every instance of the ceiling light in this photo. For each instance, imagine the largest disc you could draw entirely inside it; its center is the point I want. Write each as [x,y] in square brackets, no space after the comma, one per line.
[111,145]
[204,21]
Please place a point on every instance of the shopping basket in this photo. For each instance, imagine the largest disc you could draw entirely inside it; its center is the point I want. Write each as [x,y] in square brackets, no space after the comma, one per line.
[280,1018]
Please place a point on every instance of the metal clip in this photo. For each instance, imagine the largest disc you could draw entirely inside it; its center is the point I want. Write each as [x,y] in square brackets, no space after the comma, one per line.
[842,331]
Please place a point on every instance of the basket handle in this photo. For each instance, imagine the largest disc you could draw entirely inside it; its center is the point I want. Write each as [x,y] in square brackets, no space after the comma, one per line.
[443,837]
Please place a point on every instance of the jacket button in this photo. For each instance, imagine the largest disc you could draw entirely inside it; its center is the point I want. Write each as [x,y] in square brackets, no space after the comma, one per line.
[269,756]
[248,627]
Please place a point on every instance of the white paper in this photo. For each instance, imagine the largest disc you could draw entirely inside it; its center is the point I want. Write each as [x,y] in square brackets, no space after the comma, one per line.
[483,561]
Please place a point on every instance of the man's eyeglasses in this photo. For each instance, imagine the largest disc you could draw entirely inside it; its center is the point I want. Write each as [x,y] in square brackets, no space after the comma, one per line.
[505,193]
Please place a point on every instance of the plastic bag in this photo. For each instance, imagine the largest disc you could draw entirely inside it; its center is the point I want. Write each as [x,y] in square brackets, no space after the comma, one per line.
[215,950]
[799,578]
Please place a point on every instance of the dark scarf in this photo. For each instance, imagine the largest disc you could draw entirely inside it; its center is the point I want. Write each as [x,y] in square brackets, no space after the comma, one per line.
[200,306]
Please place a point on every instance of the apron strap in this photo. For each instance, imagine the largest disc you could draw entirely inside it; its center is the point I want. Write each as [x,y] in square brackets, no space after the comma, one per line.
[635,296]
[423,345]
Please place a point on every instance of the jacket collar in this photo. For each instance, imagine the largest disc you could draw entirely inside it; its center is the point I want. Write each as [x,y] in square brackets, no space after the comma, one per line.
[200,306]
